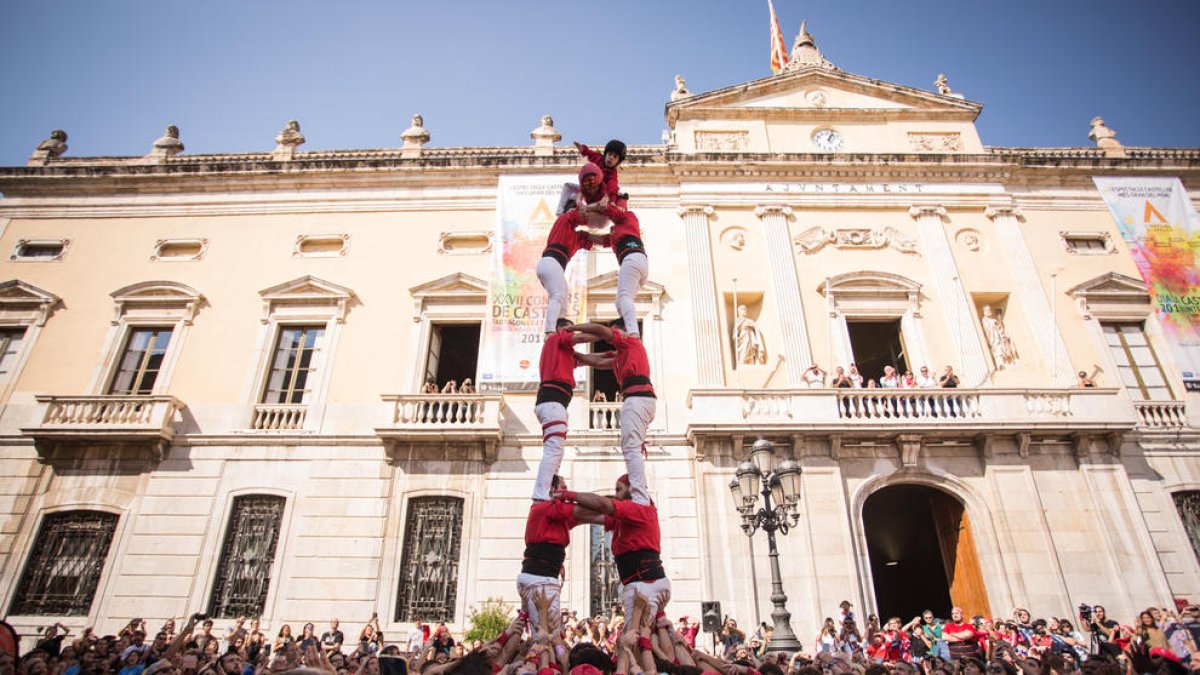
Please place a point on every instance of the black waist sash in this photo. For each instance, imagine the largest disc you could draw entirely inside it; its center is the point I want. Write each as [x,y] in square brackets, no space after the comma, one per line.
[634,381]
[641,565]
[558,252]
[544,560]
[555,391]
[629,244]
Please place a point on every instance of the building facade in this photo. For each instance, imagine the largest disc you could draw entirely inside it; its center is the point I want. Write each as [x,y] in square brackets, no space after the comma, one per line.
[213,365]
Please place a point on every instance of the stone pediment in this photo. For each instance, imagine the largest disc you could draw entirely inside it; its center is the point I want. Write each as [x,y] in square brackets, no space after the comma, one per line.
[452,289]
[1112,285]
[17,297]
[307,291]
[817,92]
[603,287]
[160,297]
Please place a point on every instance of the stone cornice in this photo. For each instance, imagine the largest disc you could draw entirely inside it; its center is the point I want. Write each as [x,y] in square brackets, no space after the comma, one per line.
[882,116]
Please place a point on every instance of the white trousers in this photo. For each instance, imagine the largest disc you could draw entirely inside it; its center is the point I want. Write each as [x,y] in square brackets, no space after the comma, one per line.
[636,414]
[554,280]
[553,417]
[632,275]
[528,585]
[650,589]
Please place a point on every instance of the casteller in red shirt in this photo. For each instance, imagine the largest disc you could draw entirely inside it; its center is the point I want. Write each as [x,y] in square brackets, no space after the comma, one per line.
[630,365]
[547,535]
[557,368]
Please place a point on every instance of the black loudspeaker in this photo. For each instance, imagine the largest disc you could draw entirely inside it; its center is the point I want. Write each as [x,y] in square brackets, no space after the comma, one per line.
[710,617]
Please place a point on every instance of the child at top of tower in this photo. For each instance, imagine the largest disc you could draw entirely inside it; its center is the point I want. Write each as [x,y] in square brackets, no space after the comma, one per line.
[613,156]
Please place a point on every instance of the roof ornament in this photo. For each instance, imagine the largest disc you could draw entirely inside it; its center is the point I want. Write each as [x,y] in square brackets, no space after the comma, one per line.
[166,146]
[1106,138]
[544,137]
[681,90]
[287,141]
[414,137]
[942,84]
[51,148]
[805,53]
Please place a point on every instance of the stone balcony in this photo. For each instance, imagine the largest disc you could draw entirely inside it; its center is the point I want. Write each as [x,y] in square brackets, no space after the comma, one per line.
[75,427]
[887,414]
[441,426]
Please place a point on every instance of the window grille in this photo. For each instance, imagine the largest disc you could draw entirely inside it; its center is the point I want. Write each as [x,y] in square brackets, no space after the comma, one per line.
[1188,505]
[429,568]
[10,345]
[63,570]
[606,580]
[294,362]
[244,573]
[141,361]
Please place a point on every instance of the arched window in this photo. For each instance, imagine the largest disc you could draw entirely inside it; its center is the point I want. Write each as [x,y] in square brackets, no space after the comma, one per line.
[1188,505]
[247,556]
[63,569]
[429,569]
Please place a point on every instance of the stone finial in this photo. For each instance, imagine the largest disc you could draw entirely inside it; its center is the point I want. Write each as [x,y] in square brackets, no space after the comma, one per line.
[1105,138]
[51,148]
[942,84]
[168,145]
[681,90]
[805,53]
[545,136]
[287,141]
[414,137]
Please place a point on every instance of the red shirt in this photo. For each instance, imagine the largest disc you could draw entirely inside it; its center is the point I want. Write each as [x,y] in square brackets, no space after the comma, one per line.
[630,360]
[550,523]
[634,527]
[609,180]
[558,359]
[564,242]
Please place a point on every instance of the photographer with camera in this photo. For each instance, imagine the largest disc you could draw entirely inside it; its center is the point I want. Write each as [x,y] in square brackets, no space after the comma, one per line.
[1104,630]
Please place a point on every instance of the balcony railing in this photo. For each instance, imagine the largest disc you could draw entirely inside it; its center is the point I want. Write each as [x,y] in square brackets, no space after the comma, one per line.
[279,416]
[1161,414]
[146,421]
[448,421]
[838,410]
[604,416]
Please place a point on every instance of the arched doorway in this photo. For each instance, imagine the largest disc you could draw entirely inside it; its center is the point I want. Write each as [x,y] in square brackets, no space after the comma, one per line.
[922,553]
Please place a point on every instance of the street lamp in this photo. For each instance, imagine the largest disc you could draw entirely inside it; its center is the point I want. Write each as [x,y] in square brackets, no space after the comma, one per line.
[780,490]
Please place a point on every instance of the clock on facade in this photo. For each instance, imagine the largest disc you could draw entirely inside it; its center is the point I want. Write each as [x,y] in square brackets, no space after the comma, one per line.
[828,140]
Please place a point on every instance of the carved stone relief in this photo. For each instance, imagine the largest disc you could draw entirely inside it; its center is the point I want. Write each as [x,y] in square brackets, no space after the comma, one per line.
[969,239]
[817,98]
[816,238]
[935,142]
[722,141]
[734,238]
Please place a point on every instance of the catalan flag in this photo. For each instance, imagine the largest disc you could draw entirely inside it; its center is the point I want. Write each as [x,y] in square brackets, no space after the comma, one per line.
[779,55]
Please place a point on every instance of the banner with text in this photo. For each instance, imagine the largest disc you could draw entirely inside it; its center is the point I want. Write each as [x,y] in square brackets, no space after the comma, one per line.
[1158,221]
[513,328]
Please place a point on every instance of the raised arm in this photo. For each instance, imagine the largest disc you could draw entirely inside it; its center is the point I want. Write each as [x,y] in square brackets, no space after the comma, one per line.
[598,329]
[592,502]
[602,361]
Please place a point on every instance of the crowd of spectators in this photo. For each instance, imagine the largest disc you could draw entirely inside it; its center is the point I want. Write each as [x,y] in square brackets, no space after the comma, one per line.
[1160,641]
[451,387]
[850,378]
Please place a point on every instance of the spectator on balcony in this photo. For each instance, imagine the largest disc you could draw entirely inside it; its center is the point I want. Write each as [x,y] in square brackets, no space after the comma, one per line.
[467,387]
[841,380]
[1084,380]
[908,381]
[948,380]
[599,397]
[814,377]
[926,380]
[430,387]
[872,384]
[890,379]
[451,387]
[855,376]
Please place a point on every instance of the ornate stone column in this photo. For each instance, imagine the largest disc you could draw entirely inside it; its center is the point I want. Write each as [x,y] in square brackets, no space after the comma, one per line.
[710,368]
[796,353]
[1029,288]
[950,291]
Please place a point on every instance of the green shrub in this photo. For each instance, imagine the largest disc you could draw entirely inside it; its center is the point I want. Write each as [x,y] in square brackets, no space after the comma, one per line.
[488,620]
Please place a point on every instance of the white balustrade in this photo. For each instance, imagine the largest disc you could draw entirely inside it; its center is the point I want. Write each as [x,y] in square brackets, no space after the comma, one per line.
[926,405]
[1161,414]
[604,416]
[109,413]
[433,411]
[279,417]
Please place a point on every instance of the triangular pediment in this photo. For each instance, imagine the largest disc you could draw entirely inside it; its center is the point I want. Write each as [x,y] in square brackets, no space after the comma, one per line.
[603,288]
[305,288]
[1112,285]
[451,285]
[817,91]
[26,302]
[308,297]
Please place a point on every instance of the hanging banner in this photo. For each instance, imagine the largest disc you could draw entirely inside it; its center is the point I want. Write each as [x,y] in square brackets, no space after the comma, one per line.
[514,327]
[1158,221]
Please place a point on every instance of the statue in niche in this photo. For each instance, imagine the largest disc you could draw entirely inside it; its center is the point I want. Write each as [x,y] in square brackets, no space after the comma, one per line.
[751,349]
[1004,353]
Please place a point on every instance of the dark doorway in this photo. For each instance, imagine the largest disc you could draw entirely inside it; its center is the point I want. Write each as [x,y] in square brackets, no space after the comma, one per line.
[922,553]
[453,353]
[877,344]
[604,380]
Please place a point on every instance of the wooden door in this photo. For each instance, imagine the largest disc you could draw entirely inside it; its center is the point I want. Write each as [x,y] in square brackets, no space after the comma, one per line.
[959,555]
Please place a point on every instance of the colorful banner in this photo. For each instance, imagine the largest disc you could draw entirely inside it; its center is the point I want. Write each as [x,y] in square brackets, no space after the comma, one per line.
[1158,221]
[514,326]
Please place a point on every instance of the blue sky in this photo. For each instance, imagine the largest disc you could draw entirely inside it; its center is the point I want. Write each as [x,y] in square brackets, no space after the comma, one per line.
[230,73]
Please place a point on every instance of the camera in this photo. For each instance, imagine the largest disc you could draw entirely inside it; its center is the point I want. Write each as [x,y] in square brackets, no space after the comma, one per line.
[1085,612]
[200,616]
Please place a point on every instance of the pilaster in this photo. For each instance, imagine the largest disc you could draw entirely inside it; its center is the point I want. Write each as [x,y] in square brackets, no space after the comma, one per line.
[950,290]
[710,369]
[796,352]
[1029,288]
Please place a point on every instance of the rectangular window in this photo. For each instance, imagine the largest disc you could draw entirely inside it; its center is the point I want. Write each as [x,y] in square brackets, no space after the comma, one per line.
[10,346]
[141,361]
[605,581]
[244,573]
[41,251]
[1136,362]
[63,569]
[1087,244]
[296,358]
[453,354]
[1188,505]
[429,568]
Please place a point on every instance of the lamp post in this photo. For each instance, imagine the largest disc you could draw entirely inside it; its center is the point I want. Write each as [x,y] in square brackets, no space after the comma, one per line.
[780,490]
